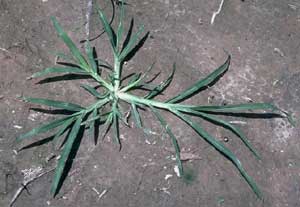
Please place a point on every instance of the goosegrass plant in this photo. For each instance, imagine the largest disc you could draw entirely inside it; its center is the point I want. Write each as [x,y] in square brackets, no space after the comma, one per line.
[107,112]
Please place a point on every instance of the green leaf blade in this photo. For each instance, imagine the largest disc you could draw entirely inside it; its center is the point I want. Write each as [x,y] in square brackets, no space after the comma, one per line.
[72,47]
[90,55]
[64,156]
[131,43]
[228,126]
[137,79]
[62,130]
[55,104]
[235,108]
[120,26]
[51,70]
[136,116]
[108,29]
[43,128]
[92,91]
[92,124]
[162,86]
[202,83]
[171,135]
[221,148]
[116,130]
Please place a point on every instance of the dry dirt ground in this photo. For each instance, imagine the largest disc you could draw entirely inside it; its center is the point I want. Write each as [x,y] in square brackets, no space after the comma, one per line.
[264,40]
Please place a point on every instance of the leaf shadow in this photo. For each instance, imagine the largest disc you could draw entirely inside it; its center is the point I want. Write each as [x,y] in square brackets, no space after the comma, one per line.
[250,115]
[129,34]
[211,84]
[70,159]
[110,22]
[53,111]
[37,143]
[140,44]
[64,78]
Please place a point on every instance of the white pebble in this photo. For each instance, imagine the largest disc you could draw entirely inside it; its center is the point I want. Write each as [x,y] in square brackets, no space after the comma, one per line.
[176,170]
[17,127]
[168,176]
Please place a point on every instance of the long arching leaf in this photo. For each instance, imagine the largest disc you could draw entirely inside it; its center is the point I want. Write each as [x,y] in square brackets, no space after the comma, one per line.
[108,29]
[64,156]
[131,43]
[162,86]
[221,148]
[226,125]
[44,128]
[55,104]
[72,47]
[235,108]
[171,135]
[202,83]
[136,115]
[51,70]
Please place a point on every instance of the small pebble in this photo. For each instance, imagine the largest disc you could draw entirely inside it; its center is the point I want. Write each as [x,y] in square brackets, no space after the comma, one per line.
[17,127]
[168,176]
[176,170]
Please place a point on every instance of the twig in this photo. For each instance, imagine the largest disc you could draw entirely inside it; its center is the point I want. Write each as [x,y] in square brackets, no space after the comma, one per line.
[4,50]
[24,186]
[238,122]
[216,12]
[102,194]
[88,17]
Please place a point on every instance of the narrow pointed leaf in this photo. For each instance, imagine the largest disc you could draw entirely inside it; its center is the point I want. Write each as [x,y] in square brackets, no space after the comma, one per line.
[120,26]
[55,104]
[137,79]
[72,47]
[235,108]
[63,56]
[92,124]
[108,29]
[136,115]
[104,63]
[144,75]
[42,129]
[202,83]
[116,132]
[171,135]
[92,91]
[68,123]
[51,70]
[122,115]
[131,43]
[105,127]
[89,52]
[228,126]
[134,78]
[221,148]
[291,120]
[64,156]
[162,86]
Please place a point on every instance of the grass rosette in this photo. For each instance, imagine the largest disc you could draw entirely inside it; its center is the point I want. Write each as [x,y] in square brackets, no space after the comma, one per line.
[107,111]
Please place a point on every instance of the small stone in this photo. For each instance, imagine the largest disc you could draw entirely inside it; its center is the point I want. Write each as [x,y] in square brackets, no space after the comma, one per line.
[176,170]
[17,127]
[168,176]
